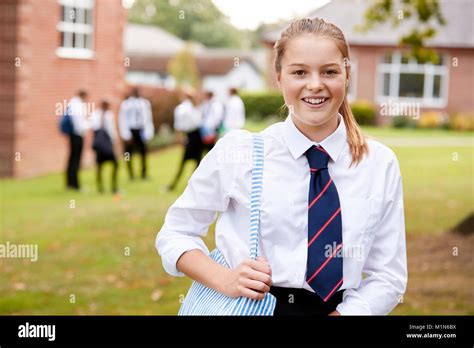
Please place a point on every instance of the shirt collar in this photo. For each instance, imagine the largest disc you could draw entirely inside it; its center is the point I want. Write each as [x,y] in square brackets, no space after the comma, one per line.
[298,143]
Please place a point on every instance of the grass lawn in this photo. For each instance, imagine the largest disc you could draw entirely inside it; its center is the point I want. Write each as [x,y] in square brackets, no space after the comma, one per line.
[99,249]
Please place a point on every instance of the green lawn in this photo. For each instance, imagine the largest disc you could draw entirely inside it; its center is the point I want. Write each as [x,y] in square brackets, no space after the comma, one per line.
[82,250]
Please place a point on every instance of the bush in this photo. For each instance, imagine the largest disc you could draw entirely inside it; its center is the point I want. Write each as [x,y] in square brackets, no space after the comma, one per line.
[431,120]
[403,122]
[364,112]
[259,105]
[463,121]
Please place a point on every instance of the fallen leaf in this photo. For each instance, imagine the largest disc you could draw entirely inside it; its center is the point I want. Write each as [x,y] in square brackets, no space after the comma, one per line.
[156,295]
[19,286]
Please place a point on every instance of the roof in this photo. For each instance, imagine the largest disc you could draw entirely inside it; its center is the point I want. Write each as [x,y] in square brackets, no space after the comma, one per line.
[146,40]
[150,48]
[206,65]
[347,14]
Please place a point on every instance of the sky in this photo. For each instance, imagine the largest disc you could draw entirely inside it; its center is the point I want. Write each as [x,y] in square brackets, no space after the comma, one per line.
[247,14]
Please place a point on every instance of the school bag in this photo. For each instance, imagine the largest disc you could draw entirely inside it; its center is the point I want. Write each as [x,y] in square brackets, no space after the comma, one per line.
[208,135]
[102,144]
[65,124]
[201,300]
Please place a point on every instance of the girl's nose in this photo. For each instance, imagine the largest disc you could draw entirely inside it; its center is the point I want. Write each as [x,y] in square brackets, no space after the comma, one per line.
[315,84]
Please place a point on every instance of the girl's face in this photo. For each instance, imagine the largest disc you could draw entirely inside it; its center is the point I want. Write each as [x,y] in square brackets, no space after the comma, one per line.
[313,81]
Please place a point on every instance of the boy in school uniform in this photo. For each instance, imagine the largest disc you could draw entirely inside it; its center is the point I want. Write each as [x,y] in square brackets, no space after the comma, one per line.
[136,129]
[80,124]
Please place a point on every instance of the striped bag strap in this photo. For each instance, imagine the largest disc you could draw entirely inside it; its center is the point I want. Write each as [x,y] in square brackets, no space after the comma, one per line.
[255,193]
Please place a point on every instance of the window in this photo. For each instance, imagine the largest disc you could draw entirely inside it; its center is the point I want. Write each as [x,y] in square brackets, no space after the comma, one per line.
[401,78]
[76,28]
[351,92]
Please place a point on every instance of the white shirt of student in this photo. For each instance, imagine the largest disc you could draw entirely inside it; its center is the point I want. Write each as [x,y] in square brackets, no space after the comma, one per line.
[371,208]
[78,111]
[136,113]
[98,116]
[234,113]
[213,113]
[187,117]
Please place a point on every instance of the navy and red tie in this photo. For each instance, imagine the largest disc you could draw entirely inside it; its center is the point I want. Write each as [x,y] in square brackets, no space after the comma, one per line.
[324,264]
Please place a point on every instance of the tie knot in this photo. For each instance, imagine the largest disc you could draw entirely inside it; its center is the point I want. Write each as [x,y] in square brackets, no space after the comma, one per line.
[318,158]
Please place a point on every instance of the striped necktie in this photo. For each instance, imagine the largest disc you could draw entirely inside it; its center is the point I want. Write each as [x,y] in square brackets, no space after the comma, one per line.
[324,264]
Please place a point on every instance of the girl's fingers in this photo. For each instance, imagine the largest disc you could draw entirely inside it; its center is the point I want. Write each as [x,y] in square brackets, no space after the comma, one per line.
[260,266]
[261,277]
[255,285]
[254,295]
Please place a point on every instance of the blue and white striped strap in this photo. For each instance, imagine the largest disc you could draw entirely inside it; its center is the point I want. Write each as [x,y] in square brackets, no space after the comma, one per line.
[255,194]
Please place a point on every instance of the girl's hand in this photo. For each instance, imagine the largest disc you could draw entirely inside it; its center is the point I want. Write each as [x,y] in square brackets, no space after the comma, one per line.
[252,279]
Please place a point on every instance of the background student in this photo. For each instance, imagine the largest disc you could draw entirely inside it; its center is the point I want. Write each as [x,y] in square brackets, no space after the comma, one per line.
[234,112]
[105,135]
[78,112]
[136,129]
[187,124]
[212,116]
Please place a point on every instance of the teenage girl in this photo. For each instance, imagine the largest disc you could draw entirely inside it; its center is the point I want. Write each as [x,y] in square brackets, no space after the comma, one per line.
[332,234]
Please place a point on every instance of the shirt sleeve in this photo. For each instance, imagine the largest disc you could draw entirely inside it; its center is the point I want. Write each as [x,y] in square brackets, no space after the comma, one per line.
[240,112]
[111,125]
[178,124]
[79,115]
[95,120]
[207,193]
[149,127]
[386,265]
[124,129]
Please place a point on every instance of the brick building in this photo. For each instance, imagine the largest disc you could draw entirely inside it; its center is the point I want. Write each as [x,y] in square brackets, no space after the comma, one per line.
[49,49]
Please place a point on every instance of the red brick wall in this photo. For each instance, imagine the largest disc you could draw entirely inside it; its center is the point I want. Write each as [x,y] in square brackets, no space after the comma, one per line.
[44,79]
[7,84]
[461,80]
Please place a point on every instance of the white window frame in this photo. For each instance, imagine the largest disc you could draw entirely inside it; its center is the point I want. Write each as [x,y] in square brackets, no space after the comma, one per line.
[80,28]
[352,91]
[429,71]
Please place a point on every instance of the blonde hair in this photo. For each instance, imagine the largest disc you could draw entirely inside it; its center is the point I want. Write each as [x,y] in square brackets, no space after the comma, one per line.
[356,139]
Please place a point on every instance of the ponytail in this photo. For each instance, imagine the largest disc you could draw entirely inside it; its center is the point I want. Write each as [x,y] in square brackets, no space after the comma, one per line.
[356,139]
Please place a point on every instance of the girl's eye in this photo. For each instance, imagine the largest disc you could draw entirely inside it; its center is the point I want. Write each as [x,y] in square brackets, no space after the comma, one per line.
[299,73]
[330,72]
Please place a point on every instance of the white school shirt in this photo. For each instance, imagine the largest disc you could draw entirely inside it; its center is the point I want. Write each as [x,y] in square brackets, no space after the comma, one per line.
[98,116]
[372,213]
[213,113]
[234,113]
[136,113]
[187,117]
[78,111]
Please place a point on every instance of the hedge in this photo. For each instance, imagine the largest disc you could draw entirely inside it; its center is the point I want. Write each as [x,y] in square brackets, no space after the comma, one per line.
[260,105]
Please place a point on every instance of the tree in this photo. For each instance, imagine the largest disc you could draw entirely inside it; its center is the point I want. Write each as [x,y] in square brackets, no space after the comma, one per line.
[190,20]
[184,69]
[426,13]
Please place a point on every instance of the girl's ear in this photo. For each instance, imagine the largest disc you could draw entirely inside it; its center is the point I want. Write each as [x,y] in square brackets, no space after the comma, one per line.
[278,79]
